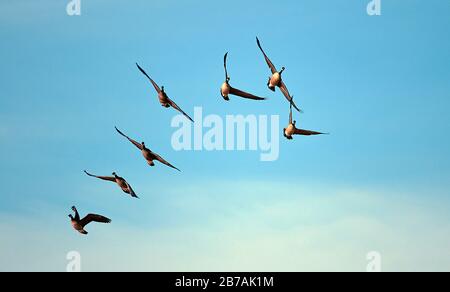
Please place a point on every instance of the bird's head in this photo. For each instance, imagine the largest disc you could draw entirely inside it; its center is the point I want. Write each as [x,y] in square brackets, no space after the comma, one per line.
[71,217]
[114,174]
[74,209]
[162,88]
[143,144]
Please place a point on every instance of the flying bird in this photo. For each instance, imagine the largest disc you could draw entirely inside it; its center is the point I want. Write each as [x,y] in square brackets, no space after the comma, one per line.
[79,224]
[121,182]
[276,80]
[292,129]
[226,88]
[163,98]
[147,153]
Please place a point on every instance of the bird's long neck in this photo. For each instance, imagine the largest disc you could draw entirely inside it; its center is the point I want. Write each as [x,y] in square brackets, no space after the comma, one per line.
[290,114]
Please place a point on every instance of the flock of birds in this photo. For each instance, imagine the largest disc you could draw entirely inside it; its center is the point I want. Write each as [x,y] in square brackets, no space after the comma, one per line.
[275,80]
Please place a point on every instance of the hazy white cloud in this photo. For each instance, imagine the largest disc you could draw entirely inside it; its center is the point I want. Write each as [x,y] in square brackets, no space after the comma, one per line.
[318,230]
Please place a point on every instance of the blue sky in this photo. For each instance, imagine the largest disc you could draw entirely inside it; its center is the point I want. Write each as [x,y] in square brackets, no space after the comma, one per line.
[380,181]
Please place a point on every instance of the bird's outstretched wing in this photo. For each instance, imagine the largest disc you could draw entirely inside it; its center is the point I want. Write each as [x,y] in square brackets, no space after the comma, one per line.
[175,106]
[271,65]
[151,80]
[94,218]
[286,93]
[132,193]
[243,94]
[307,132]
[108,178]
[138,145]
[225,66]
[163,161]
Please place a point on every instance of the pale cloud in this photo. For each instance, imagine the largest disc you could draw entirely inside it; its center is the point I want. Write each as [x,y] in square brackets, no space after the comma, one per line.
[319,230]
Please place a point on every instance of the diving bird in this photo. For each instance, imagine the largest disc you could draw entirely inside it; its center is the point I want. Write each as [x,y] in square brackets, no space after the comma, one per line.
[226,88]
[163,98]
[147,153]
[292,129]
[79,224]
[276,80]
[120,181]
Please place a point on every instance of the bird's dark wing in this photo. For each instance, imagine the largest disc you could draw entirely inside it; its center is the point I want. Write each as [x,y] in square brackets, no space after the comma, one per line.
[175,106]
[286,93]
[138,145]
[108,178]
[94,218]
[163,161]
[271,65]
[130,189]
[225,66]
[151,80]
[243,94]
[307,133]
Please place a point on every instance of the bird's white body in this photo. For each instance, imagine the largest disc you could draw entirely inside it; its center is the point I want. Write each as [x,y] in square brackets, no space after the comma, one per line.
[275,80]
[290,130]
[225,89]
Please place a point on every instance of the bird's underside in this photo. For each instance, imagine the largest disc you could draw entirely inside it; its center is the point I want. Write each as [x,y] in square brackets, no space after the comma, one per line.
[163,98]
[80,224]
[147,153]
[279,81]
[227,89]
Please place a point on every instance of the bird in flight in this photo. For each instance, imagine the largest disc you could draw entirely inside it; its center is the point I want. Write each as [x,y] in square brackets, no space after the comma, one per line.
[79,224]
[149,156]
[291,129]
[226,88]
[164,100]
[120,181]
[276,80]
